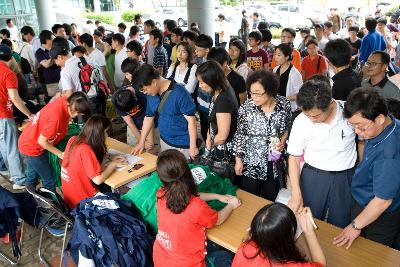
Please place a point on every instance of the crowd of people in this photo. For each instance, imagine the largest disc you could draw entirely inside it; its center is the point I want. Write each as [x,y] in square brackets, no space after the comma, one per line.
[321,118]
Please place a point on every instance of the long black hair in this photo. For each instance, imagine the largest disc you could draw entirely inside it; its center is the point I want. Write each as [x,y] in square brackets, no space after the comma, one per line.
[273,230]
[179,185]
[213,75]
[93,135]
[242,48]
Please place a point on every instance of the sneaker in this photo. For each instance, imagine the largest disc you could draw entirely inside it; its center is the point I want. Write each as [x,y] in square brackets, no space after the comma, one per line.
[18,187]
[5,173]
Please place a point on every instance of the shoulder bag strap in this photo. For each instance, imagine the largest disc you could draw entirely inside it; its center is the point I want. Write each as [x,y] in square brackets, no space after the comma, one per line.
[187,75]
[319,63]
[163,100]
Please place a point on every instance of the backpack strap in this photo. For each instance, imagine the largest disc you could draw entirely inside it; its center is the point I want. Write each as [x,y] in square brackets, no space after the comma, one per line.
[319,63]
[22,49]
[83,61]
[163,100]
[186,79]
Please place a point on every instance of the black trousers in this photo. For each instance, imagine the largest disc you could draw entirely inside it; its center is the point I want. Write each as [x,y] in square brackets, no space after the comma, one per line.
[384,230]
[267,189]
[203,124]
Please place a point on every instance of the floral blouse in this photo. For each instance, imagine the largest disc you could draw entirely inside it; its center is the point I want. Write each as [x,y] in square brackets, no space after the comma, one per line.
[254,130]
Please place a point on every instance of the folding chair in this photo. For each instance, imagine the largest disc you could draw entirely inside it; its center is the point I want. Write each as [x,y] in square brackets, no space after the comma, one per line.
[56,217]
[11,261]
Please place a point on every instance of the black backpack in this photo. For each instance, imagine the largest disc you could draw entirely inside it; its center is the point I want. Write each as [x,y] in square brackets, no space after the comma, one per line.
[25,66]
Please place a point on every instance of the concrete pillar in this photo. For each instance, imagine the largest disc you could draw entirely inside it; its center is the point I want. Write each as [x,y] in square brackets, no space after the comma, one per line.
[45,13]
[202,12]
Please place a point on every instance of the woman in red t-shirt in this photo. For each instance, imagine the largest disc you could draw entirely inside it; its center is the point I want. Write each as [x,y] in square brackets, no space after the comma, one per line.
[81,170]
[271,240]
[183,215]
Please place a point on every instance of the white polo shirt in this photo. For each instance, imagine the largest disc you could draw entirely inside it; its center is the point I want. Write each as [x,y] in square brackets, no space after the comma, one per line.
[328,147]
[97,57]
[118,74]
[69,79]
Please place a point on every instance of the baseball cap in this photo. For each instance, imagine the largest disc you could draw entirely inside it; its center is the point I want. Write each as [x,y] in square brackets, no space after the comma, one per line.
[5,50]
[320,26]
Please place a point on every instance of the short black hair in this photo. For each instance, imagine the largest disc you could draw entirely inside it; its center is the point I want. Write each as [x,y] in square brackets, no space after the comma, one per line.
[137,16]
[122,25]
[157,34]
[256,35]
[177,31]
[219,55]
[370,23]
[393,106]
[262,25]
[145,75]
[314,94]
[79,49]
[125,100]
[7,42]
[27,30]
[130,65]
[89,22]
[134,30]
[348,16]
[55,28]
[305,30]
[242,47]
[204,41]
[385,57]
[97,33]
[101,29]
[189,34]
[67,28]
[44,36]
[354,29]
[171,24]
[97,21]
[338,52]
[87,39]
[312,41]
[8,21]
[212,74]
[135,46]
[255,14]
[5,32]
[366,101]
[286,49]
[382,20]
[150,23]
[221,16]
[328,24]
[322,78]
[266,35]
[291,31]
[268,81]
[119,37]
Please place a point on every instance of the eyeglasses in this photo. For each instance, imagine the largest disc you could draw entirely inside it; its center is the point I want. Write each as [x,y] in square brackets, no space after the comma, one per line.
[135,167]
[361,129]
[256,94]
[373,64]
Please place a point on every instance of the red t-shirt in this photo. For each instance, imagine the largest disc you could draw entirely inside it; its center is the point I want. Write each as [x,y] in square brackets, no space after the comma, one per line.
[256,61]
[51,121]
[309,66]
[181,237]
[251,249]
[8,80]
[77,171]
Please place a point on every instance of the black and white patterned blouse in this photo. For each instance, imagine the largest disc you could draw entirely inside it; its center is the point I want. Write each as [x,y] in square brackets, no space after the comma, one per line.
[254,130]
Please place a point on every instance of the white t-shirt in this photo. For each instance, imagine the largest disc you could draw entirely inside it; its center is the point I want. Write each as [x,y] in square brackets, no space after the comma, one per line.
[328,147]
[97,58]
[14,34]
[180,77]
[70,74]
[118,74]
[343,33]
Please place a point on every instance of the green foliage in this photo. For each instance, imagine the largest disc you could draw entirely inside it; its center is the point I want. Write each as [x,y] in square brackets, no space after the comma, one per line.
[129,15]
[104,17]
[276,33]
[229,2]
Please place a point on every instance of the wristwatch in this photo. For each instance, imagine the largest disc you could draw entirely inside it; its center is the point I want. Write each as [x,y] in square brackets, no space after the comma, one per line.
[354,226]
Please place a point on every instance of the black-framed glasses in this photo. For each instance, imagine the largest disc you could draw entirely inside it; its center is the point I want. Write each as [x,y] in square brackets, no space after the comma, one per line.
[257,94]
[373,64]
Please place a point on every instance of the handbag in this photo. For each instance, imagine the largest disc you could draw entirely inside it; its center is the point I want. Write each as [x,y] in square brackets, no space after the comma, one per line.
[223,167]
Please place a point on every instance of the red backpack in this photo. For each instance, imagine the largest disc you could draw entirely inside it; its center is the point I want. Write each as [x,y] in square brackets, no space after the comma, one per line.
[91,79]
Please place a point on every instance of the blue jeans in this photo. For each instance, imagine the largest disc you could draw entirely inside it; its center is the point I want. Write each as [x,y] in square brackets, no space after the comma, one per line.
[39,166]
[218,255]
[9,151]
